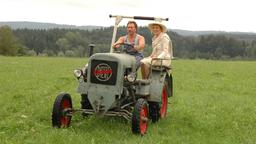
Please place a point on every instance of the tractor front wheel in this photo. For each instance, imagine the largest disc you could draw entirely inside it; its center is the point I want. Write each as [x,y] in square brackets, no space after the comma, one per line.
[140,117]
[61,112]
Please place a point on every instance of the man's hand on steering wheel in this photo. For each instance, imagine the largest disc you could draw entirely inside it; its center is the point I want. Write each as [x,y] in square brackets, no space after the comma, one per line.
[118,45]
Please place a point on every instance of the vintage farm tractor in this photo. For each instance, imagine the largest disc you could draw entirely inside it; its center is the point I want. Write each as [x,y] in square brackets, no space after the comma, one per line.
[109,86]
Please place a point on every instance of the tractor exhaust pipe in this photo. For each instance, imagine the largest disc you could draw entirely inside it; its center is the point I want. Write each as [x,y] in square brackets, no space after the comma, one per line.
[90,49]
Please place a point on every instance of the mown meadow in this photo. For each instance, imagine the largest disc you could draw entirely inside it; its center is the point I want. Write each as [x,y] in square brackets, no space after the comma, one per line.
[214,102]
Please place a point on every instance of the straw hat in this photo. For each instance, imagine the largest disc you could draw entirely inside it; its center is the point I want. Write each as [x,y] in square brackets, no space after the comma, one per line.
[163,27]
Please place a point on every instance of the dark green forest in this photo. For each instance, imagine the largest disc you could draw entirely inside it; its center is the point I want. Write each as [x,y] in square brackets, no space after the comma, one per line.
[74,43]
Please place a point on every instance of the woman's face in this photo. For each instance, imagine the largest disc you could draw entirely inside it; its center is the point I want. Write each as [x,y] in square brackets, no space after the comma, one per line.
[156,29]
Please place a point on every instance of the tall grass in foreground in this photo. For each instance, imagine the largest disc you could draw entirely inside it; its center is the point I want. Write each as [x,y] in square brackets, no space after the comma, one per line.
[214,102]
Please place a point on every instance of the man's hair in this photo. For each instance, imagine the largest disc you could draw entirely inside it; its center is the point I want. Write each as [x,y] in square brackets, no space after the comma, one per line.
[133,22]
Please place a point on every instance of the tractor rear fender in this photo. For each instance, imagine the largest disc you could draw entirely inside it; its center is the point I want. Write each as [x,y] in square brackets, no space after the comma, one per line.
[169,80]
[157,80]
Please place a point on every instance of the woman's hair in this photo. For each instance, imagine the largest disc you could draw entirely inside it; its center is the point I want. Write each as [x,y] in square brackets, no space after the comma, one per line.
[133,22]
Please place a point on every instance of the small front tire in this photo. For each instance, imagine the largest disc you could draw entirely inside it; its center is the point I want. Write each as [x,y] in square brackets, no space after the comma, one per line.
[62,106]
[140,117]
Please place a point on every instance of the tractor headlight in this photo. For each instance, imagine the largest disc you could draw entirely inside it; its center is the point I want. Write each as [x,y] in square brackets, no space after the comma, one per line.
[78,73]
[131,77]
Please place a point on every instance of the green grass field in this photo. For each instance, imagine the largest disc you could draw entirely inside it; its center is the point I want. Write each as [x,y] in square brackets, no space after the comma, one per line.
[214,103]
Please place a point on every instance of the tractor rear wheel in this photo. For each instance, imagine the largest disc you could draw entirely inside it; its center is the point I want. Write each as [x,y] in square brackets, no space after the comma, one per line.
[164,103]
[140,117]
[62,107]
[85,103]
[154,111]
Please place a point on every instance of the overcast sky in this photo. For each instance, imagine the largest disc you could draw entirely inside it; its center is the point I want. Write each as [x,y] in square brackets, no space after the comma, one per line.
[219,15]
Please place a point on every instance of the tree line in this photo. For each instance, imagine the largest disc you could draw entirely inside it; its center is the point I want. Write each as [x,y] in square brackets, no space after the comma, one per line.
[74,43]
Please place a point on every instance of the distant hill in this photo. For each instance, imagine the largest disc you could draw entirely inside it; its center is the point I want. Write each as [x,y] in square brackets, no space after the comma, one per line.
[195,33]
[38,25]
[247,36]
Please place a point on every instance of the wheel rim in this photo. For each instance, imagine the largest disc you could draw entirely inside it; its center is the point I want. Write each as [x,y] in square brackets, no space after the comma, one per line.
[163,109]
[64,120]
[143,120]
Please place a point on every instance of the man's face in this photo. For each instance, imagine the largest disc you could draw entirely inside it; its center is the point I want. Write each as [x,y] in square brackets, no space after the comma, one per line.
[131,29]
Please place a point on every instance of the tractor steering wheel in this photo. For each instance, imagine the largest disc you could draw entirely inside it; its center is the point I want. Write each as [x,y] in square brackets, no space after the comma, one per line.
[122,49]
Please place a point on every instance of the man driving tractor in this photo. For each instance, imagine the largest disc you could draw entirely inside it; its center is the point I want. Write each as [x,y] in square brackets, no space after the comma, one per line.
[134,42]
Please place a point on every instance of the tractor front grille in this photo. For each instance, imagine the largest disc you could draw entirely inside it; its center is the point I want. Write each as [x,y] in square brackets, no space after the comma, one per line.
[103,72]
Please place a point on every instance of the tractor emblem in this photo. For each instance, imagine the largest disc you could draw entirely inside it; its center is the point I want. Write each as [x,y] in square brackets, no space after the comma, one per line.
[103,72]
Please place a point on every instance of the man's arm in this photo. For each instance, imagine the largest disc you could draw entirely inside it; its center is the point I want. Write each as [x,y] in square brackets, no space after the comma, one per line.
[141,44]
[117,43]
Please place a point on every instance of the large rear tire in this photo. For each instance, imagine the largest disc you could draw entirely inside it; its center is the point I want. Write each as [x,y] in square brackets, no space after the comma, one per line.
[140,117]
[164,103]
[60,112]
[154,111]
[170,86]
[85,103]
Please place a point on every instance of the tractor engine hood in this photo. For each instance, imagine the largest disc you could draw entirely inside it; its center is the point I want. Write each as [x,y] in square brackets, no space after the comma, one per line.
[125,60]
[105,79]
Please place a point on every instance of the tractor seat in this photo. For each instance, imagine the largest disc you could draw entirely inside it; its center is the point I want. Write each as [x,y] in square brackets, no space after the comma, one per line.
[161,68]
[142,82]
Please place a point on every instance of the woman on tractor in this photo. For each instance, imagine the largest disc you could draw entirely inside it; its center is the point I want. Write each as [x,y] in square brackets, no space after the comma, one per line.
[162,49]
